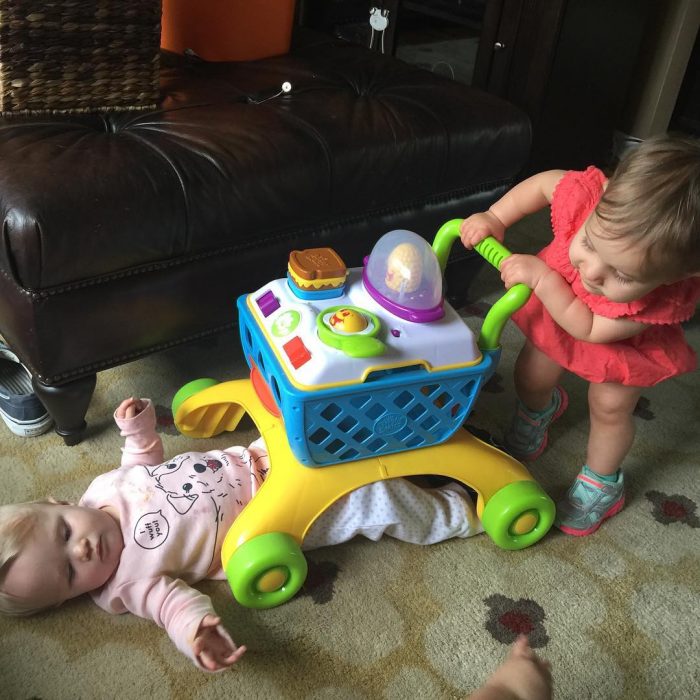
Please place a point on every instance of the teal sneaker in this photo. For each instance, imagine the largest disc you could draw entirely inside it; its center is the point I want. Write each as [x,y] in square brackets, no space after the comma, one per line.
[588,502]
[526,438]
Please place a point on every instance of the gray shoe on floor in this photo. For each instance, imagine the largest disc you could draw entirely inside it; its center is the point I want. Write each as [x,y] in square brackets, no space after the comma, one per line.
[20,407]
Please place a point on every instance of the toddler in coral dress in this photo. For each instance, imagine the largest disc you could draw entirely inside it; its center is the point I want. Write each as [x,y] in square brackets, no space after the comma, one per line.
[610,293]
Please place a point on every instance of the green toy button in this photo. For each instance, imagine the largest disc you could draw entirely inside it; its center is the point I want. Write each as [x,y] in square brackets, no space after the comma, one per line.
[285,323]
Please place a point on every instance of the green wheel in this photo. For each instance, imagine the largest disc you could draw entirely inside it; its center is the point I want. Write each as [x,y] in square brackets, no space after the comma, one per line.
[518,515]
[190,389]
[266,571]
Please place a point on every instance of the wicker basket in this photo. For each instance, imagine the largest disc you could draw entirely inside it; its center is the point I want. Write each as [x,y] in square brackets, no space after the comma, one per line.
[78,55]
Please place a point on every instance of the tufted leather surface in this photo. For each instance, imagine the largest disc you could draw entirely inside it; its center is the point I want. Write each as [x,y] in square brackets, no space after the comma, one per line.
[355,134]
[126,233]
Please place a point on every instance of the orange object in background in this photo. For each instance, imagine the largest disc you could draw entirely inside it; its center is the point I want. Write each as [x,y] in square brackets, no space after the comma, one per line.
[228,30]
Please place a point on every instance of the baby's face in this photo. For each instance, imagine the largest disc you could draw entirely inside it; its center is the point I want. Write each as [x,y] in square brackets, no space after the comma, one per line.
[71,550]
[610,267]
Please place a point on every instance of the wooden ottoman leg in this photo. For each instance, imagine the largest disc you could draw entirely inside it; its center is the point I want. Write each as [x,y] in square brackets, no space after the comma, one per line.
[68,404]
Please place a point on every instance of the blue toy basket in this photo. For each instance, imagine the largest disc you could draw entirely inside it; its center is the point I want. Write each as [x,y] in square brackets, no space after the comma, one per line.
[393,410]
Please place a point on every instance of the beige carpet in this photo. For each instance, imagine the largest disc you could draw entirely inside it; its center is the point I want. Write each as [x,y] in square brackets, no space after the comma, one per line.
[615,612]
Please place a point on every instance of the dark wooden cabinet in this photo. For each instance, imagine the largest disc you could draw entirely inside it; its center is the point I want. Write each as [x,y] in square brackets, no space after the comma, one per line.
[568,64]
[686,115]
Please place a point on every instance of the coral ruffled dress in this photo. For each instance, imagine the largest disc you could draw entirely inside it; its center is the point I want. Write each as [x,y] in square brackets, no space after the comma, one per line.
[655,354]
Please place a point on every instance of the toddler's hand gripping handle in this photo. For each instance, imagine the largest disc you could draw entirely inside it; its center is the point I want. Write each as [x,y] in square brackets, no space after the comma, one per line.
[495,253]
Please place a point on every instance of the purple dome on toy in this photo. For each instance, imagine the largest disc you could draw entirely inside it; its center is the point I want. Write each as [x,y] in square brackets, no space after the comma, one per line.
[402,274]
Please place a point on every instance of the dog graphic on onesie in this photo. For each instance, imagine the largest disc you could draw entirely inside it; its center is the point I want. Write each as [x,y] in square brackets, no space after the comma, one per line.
[195,490]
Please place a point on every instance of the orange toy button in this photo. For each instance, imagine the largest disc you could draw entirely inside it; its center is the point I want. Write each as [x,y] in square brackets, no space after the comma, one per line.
[297,352]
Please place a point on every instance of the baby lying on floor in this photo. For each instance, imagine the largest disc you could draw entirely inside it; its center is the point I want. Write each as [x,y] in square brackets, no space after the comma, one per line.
[143,534]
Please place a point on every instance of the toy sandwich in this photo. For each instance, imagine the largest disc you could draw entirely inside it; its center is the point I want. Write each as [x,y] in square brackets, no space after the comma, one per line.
[316,270]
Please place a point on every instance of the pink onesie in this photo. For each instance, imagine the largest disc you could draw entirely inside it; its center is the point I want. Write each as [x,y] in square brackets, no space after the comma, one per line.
[174,515]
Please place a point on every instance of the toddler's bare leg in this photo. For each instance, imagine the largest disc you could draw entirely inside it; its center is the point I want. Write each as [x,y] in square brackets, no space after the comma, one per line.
[535,377]
[612,425]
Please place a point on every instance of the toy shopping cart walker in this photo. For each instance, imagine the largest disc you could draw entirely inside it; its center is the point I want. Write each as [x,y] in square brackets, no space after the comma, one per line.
[396,421]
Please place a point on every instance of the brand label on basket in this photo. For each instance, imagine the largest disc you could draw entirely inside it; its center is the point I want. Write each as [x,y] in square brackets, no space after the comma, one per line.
[390,423]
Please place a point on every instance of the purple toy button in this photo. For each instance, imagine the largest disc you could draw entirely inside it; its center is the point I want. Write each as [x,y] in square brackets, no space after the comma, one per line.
[267,303]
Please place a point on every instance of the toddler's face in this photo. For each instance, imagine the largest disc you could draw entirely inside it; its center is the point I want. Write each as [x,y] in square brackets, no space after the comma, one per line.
[609,266]
[72,550]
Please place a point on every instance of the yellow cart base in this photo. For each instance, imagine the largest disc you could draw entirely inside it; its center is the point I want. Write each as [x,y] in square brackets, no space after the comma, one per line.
[261,553]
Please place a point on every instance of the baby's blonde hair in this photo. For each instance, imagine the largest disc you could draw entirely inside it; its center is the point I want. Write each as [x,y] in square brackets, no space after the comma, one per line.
[653,198]
[17,522]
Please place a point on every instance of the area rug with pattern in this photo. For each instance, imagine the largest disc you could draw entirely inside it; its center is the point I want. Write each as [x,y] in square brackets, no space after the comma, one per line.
[615,612]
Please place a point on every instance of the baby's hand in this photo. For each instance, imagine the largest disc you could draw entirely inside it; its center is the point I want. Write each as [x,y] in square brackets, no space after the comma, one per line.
[213,648]
[478,226]
[129,408]
[526,269]
[523,675]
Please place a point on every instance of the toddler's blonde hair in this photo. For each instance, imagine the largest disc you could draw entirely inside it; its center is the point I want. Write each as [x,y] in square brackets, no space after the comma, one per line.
[653,198]
[17,522]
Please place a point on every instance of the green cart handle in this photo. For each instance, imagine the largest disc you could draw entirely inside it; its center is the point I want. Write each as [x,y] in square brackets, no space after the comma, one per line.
[495,253]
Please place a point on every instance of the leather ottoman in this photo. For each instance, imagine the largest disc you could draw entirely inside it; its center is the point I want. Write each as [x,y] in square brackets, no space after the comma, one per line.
[127,233]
